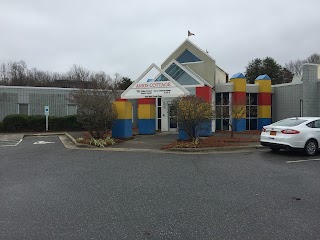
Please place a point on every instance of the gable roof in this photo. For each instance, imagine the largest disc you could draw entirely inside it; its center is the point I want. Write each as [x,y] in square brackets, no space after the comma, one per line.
[187,41]
[174,82]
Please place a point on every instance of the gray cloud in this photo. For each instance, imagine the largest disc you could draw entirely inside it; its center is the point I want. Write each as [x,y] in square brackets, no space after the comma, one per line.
[127,36]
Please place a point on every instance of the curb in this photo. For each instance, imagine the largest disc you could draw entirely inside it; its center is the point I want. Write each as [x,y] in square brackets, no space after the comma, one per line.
[214,149]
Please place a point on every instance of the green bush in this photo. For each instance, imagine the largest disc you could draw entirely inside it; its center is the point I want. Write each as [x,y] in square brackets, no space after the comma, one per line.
[15,122]
[37,123]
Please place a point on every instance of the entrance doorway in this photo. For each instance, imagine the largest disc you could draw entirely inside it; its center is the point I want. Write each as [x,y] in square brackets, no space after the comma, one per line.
[173,124]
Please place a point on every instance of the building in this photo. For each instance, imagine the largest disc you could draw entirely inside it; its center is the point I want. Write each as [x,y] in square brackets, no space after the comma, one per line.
[191,70]
[147,103]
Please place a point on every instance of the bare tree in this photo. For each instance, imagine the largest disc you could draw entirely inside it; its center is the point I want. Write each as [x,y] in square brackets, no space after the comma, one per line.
[95,108]
[296,66]
[78,73]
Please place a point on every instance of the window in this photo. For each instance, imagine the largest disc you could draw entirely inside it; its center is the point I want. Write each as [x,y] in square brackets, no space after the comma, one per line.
[23,108]
[180,75]
[289,122]
[251,111]
[159,113]
[188,57]
[72,109]
[222,111]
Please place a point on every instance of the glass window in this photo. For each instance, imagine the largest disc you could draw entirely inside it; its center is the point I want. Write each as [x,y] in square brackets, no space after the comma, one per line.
[218,98]
[187,56]
[254,111]
[180,75]
[225,99]
[159,123]
[289,122]
[159,102]
[247,99]
[226,124]
[225,111]
[253,99]
[253,124]
[218,124]
[161,78]
[218,111]
[159,112]
[72,109]
[247,111]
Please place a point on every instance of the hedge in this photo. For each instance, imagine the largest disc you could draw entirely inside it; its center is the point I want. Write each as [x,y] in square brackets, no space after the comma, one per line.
[37,123]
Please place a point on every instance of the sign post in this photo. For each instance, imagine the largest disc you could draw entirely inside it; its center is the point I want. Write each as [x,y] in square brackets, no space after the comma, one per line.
[46,112]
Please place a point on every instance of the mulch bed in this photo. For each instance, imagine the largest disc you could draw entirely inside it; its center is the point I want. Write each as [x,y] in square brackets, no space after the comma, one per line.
[213,141]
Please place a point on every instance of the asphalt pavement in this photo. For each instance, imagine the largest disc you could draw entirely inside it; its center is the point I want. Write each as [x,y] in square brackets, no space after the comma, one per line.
[50,192]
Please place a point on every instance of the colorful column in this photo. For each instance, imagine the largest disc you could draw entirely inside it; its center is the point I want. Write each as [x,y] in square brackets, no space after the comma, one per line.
[238,108]
[147,116]
[122,127]
[264,100]
[206,94]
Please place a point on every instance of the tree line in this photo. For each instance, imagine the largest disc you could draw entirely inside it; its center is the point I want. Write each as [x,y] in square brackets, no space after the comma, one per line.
[17,73]
[276,72]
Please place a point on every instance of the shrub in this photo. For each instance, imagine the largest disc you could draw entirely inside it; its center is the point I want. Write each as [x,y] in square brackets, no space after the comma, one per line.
[102,142]
[17,122]
[1,127]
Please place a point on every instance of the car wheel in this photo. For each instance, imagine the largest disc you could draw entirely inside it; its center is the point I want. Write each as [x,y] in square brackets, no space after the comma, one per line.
[274,149]
[311,147]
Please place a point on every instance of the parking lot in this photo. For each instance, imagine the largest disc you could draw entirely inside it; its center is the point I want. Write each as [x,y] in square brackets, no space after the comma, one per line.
[50,192]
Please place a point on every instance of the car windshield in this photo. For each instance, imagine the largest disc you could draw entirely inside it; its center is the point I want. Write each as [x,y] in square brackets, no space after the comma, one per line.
[289,122]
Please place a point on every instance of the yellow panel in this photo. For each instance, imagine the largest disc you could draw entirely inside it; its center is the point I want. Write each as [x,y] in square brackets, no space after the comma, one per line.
[264,85]
[264,111]
[146,111]
[124,110]
[239,84]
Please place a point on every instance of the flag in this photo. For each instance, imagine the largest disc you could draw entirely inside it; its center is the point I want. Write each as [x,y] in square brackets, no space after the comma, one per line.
[190,33]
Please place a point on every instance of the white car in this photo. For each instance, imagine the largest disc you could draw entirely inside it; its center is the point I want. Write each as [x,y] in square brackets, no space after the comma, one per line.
[293,133]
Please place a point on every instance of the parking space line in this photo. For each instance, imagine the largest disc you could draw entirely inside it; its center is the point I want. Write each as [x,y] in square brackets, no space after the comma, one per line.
[304,160]
[11,145]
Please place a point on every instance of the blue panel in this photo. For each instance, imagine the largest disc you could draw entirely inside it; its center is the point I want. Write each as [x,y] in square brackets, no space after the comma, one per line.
[122,128]
[263,77]
[205,129]
[263,122]
[187,56]
[147,126]
[239,124]
[238,75]
[183,135]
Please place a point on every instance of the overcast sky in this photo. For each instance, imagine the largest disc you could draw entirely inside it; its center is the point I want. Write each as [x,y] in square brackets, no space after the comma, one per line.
[127,36]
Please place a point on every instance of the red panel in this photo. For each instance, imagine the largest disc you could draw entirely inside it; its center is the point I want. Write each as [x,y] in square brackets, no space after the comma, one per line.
[121,100]
[147,101]
[205,93]
[239,98]
[264,99]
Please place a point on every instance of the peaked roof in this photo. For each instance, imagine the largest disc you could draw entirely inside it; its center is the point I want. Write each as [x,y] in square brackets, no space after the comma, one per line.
[193,44]
[263,77]
[176,84]
[238,75]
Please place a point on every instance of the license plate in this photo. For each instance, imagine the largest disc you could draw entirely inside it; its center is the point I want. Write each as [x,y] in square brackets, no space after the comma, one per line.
[273,133]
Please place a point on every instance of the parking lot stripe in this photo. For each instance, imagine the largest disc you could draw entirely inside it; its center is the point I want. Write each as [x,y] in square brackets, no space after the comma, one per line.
[10,145]
[305,160]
